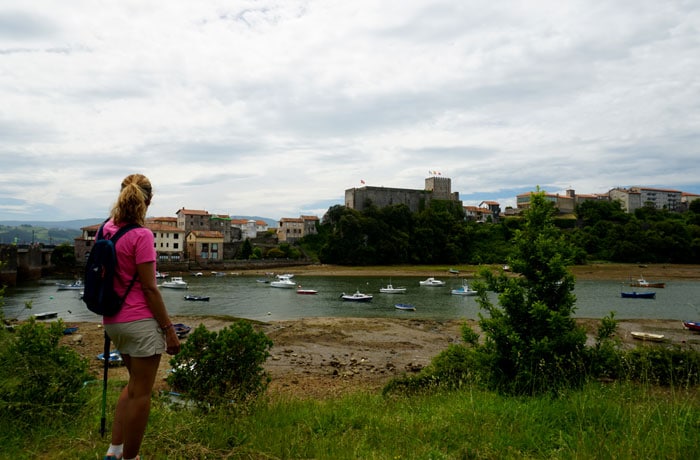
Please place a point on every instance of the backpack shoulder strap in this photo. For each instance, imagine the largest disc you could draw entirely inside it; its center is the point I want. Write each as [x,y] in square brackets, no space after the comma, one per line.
[114,240]
[121,232]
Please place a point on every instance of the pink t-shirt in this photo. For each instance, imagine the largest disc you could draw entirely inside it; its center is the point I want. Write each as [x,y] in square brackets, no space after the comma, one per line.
[134,247]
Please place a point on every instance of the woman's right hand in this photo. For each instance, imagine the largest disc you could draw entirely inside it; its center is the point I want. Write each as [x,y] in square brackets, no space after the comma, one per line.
[172,341]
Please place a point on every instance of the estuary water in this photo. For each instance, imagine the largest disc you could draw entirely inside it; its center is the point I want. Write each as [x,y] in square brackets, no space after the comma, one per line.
[245,297]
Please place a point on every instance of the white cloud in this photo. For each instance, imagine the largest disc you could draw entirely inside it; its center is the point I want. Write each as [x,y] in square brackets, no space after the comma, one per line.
[274,108]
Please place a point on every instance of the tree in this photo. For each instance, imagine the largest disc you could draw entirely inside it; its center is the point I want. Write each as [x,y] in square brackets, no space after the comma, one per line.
[246,250]
[531,339]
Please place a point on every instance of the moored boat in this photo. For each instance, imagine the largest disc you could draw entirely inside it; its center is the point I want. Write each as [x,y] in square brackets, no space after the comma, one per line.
[390,289]
[464,289]
[356,297]
[283,281]
[301,290]
[197,298]
[404,306]
[175,282]
[638,295]
[641,282]
[431,282]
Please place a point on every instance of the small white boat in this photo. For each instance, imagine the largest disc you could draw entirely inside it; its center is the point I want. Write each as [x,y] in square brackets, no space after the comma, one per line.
[115,358]
[46,315]
[176,282]
[404,306]
[161,276]
[464,289]
[356,297]
[301,290]
[283,281]
[75,285]
[647,336]
[432,282]
[389,289]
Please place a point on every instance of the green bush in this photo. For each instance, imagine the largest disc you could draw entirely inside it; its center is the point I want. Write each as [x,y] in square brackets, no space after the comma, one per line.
[663,365]
[38,377]
[215,368]
[604,360]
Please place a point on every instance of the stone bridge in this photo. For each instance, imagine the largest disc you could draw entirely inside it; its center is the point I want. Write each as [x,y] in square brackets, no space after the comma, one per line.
[22,262]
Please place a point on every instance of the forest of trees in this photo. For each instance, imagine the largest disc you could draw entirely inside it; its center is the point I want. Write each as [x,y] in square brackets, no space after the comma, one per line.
[600,231]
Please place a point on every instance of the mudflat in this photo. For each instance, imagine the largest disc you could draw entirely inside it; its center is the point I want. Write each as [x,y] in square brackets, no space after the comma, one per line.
[326,357]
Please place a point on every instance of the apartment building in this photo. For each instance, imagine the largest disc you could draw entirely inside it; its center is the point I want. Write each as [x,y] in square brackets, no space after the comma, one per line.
[636,197]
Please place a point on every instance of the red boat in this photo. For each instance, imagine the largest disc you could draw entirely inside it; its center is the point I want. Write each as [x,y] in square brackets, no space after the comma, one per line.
[692,325]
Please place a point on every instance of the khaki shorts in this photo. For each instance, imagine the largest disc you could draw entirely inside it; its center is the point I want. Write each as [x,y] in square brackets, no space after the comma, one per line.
[139,339]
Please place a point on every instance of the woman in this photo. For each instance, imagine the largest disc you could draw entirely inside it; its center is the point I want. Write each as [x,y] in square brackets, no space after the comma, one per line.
[142,330]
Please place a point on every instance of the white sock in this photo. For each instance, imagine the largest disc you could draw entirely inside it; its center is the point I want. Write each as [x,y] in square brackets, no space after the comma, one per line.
[115,450]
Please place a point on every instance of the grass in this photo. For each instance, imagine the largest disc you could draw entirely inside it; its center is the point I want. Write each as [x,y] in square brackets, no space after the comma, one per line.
[618,420]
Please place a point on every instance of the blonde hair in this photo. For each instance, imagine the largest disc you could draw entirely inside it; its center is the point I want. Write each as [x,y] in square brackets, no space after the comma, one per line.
[133,200]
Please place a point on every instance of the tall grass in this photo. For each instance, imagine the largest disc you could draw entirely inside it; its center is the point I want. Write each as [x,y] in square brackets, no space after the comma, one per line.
[620,420]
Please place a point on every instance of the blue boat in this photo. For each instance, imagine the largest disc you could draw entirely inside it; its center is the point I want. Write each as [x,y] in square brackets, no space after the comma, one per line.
[638,295]
[404,306]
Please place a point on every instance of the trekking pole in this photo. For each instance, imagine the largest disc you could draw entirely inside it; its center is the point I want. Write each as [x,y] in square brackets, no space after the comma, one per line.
[103,421]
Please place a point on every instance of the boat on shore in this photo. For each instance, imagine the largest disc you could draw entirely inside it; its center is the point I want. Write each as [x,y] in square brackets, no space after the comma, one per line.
[692,325]
[46,315]
[181,329]
[176,282]
[356,297]
[75,285]
[115,358]
[638,295]
[648,336]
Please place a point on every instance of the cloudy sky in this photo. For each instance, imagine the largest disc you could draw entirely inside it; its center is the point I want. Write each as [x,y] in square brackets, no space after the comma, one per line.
[275,107]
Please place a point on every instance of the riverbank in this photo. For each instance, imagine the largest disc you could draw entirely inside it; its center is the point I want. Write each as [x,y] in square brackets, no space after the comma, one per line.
[601,271]
[325,357]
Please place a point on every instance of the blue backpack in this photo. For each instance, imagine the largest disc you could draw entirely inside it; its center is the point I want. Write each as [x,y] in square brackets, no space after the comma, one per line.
[100,271]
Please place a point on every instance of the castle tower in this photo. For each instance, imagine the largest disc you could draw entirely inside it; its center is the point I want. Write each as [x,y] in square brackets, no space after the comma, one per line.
[440,186]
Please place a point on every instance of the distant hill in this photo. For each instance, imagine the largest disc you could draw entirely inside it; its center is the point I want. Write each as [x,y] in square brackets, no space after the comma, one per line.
[64,224]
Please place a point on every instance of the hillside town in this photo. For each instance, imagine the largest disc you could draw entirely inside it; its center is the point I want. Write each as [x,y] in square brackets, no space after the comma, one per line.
[196,236]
